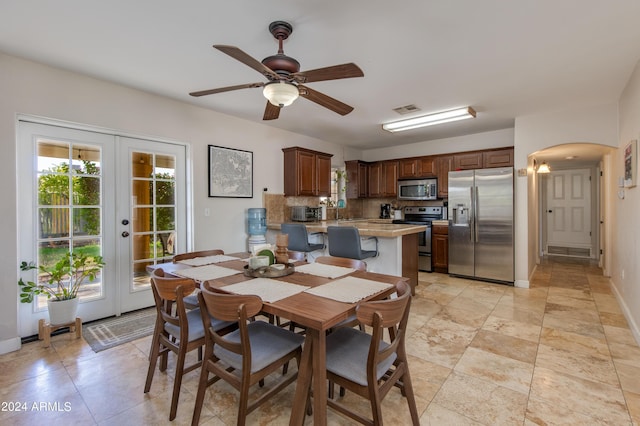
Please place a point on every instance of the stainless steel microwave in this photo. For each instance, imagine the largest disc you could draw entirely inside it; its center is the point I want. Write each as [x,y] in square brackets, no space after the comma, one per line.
[418,189]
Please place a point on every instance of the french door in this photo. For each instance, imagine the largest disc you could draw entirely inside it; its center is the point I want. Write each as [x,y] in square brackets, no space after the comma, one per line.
[151,218]
[77,187]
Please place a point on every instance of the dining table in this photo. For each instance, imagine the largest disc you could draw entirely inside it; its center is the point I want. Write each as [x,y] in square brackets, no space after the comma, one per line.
[315,308]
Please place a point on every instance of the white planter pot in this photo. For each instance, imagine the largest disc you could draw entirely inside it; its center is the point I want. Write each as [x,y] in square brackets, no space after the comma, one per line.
[62,311]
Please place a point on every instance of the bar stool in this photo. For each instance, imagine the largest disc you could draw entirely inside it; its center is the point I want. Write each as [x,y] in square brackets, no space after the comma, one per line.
[299,238]
[345,241]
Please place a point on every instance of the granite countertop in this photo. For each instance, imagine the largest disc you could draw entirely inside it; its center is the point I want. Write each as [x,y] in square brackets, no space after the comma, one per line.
[443,222]
[367,228]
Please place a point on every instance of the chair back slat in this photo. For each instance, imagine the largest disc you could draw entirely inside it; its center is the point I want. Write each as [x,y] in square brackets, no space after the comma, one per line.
[194,254]
[342,261]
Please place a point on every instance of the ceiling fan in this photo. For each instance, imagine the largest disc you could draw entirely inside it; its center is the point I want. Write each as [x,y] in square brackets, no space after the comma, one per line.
[285,80]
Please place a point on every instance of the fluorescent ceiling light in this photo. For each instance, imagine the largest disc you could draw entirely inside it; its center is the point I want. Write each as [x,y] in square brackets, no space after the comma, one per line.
[280,94]
[430,119]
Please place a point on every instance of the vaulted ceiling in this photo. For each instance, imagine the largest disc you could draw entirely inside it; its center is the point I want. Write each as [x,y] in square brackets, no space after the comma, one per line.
[504,58]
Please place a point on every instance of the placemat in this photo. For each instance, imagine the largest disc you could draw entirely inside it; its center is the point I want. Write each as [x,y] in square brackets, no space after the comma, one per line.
[269,290]
[324,270]
[207,260]
[204,273]
[349,289]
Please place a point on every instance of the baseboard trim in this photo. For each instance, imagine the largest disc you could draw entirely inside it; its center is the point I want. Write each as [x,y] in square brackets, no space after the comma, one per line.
[633,326]
[521,283]
[10,345]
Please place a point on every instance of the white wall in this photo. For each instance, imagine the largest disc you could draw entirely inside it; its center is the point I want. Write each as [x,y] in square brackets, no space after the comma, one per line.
[35,89]
[626,231]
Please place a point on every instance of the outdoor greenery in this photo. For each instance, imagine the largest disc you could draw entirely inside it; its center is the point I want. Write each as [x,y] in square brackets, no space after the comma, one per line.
[64,278]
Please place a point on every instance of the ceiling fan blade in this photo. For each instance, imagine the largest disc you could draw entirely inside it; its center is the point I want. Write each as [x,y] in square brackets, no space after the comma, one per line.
[335,72]
[324,100]
[271,112]
[248,60]
[226,89]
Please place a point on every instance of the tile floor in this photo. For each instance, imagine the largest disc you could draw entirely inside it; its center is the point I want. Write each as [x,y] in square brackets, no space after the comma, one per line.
[480,354]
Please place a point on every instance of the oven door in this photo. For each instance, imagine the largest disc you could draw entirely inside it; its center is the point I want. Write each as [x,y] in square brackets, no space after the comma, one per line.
[424,250]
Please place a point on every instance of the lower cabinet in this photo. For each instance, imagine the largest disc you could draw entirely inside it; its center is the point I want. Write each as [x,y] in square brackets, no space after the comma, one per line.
[440,248]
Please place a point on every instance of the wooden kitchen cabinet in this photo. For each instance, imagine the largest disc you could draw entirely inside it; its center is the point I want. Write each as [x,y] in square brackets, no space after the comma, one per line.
[468,161]
[497,158]
[306,172]
[357,179]
[390,178]
[444,164]
[440,248]
[383,179]
[416,167]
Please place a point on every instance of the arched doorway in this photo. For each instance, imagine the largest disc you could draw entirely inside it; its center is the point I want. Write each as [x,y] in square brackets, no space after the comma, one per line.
[570,212]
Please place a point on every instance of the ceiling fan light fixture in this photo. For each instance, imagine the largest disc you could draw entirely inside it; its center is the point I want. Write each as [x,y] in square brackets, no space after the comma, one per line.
[430,119]
[281,93]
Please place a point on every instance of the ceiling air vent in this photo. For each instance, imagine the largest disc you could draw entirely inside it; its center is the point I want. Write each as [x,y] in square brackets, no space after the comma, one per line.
[406,109]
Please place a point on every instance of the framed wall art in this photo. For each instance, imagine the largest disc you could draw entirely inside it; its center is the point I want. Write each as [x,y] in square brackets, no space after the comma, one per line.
[230,172]
[630,164]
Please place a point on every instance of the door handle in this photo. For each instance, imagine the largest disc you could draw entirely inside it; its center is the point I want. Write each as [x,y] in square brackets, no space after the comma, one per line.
[549,211]
[125,234]
[125,222]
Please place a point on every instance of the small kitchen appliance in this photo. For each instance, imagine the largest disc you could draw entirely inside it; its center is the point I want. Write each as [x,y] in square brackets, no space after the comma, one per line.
[418,189]
[385,211]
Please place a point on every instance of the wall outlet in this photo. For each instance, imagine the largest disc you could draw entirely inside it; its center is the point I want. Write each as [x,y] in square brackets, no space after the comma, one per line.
[207,212]
[622,274]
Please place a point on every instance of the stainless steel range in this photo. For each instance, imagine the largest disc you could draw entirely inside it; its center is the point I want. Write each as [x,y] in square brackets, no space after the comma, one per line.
[418,215]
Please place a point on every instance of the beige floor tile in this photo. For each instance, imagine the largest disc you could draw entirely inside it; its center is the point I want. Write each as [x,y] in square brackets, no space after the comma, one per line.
[500,370]
[525,331]
[573,342]
[482,400]
[585,328]
[619,335]
[505,345]
[437,415]
[633,404]
[603,402]
[595,367]
[629,377]
[625,354]
[543,413]
[441,342]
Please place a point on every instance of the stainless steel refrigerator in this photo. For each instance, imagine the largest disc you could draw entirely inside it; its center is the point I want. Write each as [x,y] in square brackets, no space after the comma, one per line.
[481,224]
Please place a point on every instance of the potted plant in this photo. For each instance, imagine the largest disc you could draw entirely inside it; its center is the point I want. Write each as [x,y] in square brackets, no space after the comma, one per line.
[61,288]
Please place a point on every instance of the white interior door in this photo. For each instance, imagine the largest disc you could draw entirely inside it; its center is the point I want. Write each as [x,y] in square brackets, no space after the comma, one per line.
[569,213]
[151,224]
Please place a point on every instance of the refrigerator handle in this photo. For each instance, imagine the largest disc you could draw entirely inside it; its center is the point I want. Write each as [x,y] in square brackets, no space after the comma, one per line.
[472,219]
[476,214]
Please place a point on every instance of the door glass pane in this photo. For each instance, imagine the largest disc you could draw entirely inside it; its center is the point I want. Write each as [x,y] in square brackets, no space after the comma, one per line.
[69,207]
[154,212]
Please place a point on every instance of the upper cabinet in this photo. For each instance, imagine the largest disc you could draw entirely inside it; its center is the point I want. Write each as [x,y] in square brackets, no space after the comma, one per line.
[306,172]
[357,179]
[383,179]
[416,167]
[467,161]
[497,158]
[444,164]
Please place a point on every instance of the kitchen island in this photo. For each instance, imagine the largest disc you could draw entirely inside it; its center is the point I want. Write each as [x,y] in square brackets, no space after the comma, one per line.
[397,244]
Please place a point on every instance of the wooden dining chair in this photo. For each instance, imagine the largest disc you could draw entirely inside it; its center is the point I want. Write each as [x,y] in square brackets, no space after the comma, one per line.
[386,360]
[246,356]
[191,301]
[176,330]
